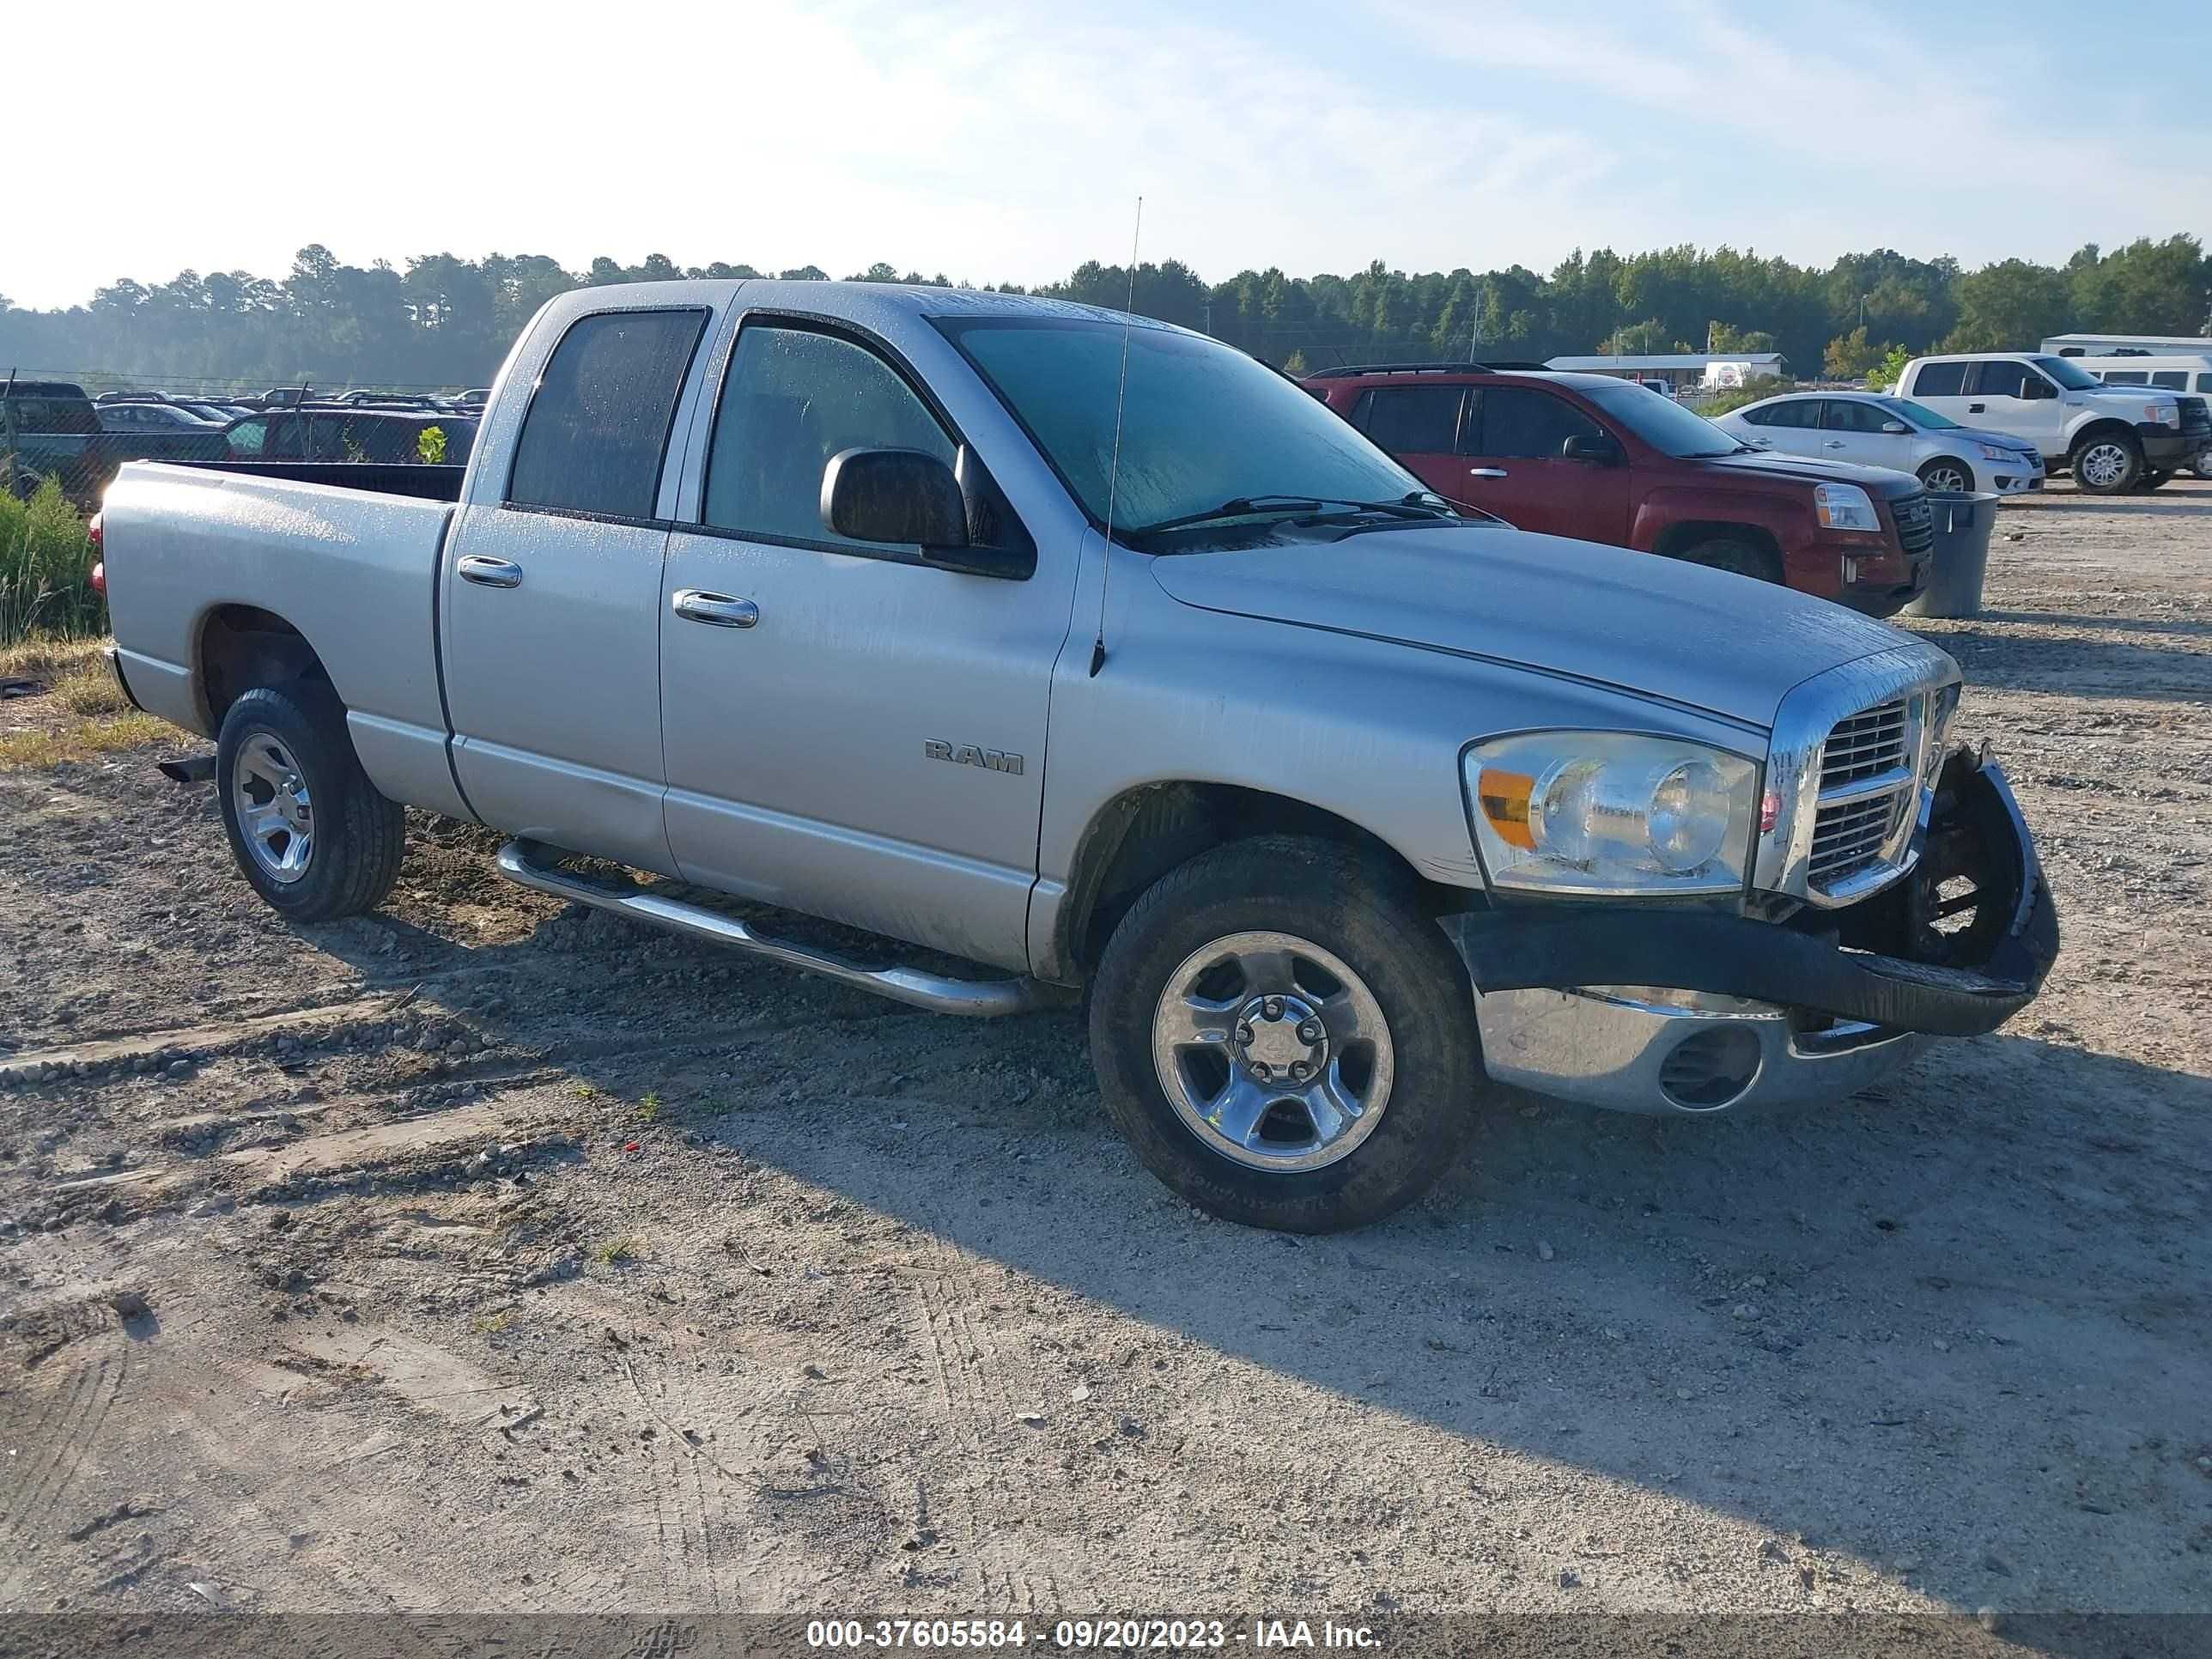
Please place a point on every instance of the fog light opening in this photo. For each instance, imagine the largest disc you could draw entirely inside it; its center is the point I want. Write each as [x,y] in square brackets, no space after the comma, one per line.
[1710,1069]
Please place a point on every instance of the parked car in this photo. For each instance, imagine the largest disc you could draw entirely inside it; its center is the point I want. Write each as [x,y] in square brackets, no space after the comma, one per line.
[147,415]
[341,432]
[1345,801]
[2111,438]
[1874,431]
[50,429]
[1602,459]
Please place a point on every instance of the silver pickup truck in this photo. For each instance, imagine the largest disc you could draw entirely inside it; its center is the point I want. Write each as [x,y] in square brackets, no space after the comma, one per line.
[1097,654]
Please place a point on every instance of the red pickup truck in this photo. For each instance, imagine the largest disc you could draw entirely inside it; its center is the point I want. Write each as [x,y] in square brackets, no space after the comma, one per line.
[1607,460]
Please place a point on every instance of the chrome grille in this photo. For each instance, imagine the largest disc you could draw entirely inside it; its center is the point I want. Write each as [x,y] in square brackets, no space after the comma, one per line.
[1867,782]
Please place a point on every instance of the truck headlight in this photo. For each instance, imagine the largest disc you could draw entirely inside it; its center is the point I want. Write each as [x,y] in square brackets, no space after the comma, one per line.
[1611,813]
[2165,414]
[1844,507]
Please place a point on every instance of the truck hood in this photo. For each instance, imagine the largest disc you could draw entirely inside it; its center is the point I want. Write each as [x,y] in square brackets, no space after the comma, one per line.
[1675,633]
[1882,483]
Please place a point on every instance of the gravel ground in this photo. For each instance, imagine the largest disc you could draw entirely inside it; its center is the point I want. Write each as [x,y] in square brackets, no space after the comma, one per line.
[481,1255]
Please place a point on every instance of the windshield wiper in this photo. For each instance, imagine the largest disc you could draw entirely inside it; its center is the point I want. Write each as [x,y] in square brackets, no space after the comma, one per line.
[1415,505]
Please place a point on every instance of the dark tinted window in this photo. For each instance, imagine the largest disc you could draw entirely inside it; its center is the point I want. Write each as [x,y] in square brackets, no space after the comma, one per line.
[1797,412]
[2008,381]
[1521,421]
[2204,383]
[284,438]
[248,438]
[599,423]
[1411,420]
[791,400]
[1845,415]
[2171,378]
[1940,381]
[2126,377]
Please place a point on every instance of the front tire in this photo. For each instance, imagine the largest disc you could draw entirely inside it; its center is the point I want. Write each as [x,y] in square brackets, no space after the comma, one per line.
[1285,1037]
[309,830]
[2108,463]
[1947,473]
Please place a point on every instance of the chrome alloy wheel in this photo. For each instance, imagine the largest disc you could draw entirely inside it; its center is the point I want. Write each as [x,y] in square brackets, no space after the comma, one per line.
[275,816]
[2102,465]
[1272,1052]
[1946,479]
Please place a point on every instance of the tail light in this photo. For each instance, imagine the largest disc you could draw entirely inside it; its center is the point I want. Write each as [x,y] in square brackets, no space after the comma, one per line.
[100,578]
[93,534]
[92,531]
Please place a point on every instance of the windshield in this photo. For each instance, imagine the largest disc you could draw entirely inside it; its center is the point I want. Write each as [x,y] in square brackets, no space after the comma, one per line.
[2066,374]
[1919,415]
[1202,424]
[1662,422]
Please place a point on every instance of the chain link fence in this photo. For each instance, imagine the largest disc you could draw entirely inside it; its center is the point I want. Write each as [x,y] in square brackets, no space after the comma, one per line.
[75,428]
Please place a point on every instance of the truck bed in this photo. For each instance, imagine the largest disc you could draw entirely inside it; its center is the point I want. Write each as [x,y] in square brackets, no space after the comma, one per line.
[351,566]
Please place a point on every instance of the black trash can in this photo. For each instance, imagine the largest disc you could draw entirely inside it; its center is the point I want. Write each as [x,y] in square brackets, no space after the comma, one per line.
[1961,556]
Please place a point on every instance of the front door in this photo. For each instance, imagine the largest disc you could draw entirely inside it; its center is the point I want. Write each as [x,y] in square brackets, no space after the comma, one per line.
[1513,443]
[551,589]
[1852,431]
[2013,397]
[850,731]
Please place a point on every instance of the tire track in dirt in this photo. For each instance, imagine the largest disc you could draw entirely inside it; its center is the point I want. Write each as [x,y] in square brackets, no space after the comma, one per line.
[69,1420]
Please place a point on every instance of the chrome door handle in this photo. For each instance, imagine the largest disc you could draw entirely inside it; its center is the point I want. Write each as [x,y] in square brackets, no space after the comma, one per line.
[490,573]
[715,609]
[1833,443]
[1485,473]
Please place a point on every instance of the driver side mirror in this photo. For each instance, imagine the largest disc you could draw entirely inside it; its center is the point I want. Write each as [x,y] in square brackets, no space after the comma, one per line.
[2031,389]
[1896,429]
[902,496]
[1583,446]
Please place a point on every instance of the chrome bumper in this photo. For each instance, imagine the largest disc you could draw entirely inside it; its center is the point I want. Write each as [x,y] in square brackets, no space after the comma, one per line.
[1634,1048]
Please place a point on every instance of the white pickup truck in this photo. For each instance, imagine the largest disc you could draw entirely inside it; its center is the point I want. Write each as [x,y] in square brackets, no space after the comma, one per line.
[2114,438]
[1095,653]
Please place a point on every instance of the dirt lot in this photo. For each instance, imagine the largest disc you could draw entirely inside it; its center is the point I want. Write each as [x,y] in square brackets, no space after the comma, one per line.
[493,1257]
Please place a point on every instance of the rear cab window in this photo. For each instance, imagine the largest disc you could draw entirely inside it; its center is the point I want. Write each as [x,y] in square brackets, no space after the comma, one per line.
[595,433]
[1941,380]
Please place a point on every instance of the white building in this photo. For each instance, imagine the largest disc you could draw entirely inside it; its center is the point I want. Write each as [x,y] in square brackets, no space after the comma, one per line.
[2129,345]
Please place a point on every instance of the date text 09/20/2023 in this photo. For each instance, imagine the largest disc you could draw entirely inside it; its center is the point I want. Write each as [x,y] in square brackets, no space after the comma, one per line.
[1083,1635]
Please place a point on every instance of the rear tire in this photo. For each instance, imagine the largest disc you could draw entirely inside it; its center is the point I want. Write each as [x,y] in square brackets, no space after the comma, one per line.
[2107,463]
[1276,959]
[1731,553]
[1955,475]
[309,830]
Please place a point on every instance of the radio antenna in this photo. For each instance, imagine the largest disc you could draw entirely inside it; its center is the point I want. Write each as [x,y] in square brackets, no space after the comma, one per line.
[1114,472]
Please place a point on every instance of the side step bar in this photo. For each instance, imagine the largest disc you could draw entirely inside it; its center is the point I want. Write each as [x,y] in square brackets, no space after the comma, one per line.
[534,865]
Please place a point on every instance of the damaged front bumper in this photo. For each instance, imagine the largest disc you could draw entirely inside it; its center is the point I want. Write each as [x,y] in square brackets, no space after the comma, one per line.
[1649,1010]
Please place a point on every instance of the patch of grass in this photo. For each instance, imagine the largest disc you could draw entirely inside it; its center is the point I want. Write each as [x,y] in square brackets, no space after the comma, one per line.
[91,690]
[584,1090]
[37,750]
[493,1324]
[45,568]
[616,1251]
[49,657]
[648,1108]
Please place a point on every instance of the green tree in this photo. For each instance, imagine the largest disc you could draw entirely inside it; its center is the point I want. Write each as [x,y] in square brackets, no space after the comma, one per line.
[1848,356]
[2009,306]
[2145,287]
[1886,373]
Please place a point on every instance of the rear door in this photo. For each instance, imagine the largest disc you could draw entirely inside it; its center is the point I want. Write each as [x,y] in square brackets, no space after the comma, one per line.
[852,732]
[1791,427]
[551,589]
[1512,445]
[1418,426]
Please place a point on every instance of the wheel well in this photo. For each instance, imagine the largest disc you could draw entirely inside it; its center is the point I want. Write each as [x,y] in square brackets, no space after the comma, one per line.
[1140,835]
[242,646]
[1676,539]
[2106,429]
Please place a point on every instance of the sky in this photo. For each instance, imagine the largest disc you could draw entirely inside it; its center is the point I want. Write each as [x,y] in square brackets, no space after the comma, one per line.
[997,141]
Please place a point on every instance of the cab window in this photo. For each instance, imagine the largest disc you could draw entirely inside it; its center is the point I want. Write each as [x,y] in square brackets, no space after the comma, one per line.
[795,399]
[1411,420]
[598,425]
[2010,379]
[1941,380]
[1520,422]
